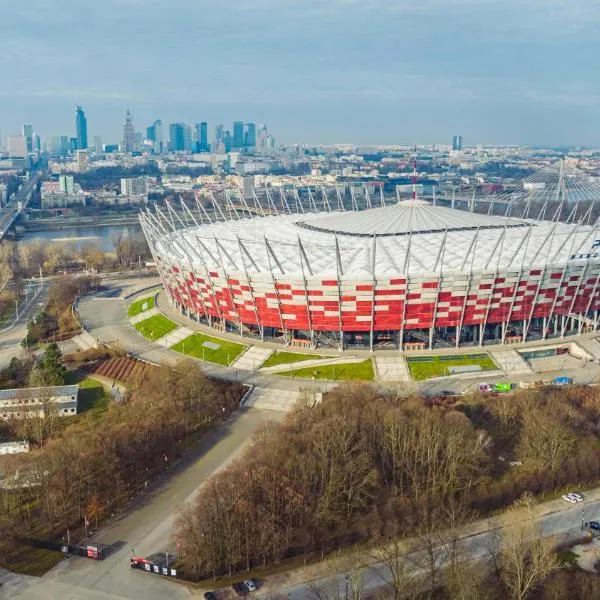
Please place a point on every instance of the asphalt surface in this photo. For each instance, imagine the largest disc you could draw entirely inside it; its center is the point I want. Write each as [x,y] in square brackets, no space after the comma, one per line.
[15,330]
[563,521]
[147,528]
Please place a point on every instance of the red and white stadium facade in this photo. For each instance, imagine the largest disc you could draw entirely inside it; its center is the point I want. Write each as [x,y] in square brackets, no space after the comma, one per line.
[411,274]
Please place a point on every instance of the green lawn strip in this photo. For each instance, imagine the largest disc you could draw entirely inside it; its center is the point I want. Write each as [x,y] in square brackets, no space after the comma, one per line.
[140,306]
[362,371]
[284,358]
[155,327]
[225,354]
[424,367]
[34,561]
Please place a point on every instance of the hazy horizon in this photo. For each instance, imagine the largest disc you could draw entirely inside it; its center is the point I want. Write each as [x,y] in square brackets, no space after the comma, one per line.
[386,72]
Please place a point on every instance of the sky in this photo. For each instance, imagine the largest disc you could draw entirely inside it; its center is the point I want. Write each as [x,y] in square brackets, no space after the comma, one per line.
[315,71]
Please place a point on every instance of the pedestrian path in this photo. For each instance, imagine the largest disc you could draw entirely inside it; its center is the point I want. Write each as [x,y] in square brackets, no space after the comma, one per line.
[85,341]
[144,315]
[392,368]
[320,362]
[592,345]
[252,358]
[273,399]
[511,362]
[176,336]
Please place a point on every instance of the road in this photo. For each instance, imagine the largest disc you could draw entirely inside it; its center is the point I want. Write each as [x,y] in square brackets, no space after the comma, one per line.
[146,529]
[13,333]
[479,541]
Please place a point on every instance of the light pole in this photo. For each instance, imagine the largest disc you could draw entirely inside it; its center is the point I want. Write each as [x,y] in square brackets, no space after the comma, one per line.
[582,519]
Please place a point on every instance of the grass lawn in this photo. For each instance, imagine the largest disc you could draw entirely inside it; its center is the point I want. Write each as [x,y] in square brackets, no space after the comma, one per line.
[155,327]
[284,358]
[139,306]
[225,354]
[424,367]
[34,561]
[93,398]
[343,372]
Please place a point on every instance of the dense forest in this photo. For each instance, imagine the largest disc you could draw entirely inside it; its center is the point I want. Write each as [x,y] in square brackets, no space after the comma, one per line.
[365,465]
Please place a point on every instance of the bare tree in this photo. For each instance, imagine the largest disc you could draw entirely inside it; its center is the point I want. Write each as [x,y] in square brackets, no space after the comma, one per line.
[527,557]
[395,571]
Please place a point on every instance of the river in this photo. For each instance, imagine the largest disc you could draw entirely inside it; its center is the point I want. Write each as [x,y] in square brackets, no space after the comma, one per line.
[75,237]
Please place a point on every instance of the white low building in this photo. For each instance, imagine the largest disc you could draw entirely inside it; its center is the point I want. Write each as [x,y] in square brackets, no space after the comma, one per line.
[14,447]
[31,402]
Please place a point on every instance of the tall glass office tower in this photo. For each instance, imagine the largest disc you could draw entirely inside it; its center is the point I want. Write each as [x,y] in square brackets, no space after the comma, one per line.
[81,129]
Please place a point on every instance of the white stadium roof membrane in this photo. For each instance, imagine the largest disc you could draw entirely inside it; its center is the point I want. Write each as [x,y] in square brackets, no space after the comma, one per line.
[411,237]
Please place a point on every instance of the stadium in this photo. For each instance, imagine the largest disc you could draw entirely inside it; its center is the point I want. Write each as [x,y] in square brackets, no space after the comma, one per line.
[409,275]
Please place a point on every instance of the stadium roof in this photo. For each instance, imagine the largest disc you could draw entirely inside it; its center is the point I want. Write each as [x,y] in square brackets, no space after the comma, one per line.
[406,238]
[404,218]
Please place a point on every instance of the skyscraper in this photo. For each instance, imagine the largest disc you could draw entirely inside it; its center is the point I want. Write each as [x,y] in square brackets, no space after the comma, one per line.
[81,129]
[180,137]
[128,134]
[238,135]
[98,144]
[28,135]
[155,134]
[250,136]
[457,142]
[202,133]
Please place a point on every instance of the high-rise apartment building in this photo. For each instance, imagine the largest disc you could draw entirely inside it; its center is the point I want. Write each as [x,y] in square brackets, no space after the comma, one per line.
[98,144]
[128,134]
[81,158]
[238,135]
[457,142]
[134,186]
[66,185]
[81,132]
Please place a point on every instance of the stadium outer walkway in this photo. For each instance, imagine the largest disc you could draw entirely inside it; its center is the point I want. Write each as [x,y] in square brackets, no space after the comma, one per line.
[391,364]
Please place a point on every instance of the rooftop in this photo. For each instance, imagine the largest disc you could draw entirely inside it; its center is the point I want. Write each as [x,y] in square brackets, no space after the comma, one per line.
[404,218]
[54,391]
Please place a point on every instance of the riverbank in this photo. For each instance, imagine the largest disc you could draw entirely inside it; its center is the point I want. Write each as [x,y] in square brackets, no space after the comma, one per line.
[62,223]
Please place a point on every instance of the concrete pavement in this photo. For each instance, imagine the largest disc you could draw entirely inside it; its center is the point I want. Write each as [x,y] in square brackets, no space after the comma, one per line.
[146,529]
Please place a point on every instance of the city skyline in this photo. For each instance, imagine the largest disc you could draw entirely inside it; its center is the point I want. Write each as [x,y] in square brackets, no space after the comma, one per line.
[341,72]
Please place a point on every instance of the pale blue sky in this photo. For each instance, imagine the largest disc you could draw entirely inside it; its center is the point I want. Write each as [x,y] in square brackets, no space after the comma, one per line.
[322,71]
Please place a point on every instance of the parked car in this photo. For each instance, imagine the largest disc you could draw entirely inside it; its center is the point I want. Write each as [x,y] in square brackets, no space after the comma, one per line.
[578,497]
[572,498]
[595,525]
[250,584]
[210,596]
[562,381]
